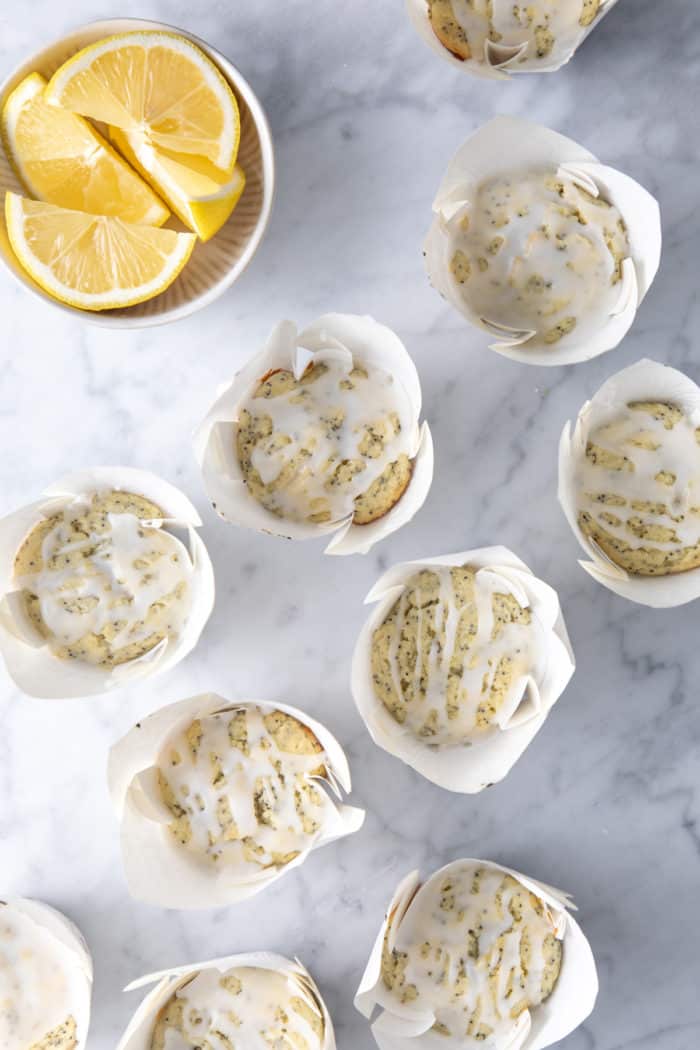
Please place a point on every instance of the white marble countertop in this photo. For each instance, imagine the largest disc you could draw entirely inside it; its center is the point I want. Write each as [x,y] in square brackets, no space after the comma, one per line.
[606,802]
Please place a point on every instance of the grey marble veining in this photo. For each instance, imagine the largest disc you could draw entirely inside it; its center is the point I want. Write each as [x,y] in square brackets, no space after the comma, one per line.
[606,802]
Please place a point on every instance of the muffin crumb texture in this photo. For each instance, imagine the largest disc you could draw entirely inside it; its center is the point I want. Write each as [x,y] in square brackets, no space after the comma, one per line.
[63,1037]
[639,489]
[538,254]
[464,27]
[330,446]
[99,585]
[241,787]
[245,1007]
[449,660]
[478,949]
[40,987]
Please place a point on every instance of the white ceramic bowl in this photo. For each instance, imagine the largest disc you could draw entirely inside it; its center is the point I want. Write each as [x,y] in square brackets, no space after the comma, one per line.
[214,266]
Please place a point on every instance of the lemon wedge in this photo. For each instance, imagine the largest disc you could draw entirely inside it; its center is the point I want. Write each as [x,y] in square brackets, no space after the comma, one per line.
[61,159]
[93,262]
[157,85]
[200,195]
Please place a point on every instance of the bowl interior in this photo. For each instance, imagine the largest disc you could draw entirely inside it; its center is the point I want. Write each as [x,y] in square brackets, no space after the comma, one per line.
[213,266]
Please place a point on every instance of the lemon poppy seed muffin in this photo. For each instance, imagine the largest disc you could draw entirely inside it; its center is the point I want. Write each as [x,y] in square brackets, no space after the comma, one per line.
[241,787]
[476,948]
[246,1007]
[99,584]
[639,489]
[40,987]
[464,27]
[329,446]
[449,659]
[538,254]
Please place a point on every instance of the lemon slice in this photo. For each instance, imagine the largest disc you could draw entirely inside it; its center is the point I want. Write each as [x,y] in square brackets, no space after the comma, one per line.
[200,195]
[94,262]
[158,85]
[60,158]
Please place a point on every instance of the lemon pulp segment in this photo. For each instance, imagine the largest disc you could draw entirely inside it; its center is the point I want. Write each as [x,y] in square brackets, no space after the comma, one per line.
[93,262]
[158,84]
[62,159]
[201,195]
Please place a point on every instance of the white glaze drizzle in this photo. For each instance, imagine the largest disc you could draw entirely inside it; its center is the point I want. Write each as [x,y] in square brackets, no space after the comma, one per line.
[524,644]
[533,264]
[41,984]
[462,952]
[303,415]
[247,1008]
[677,455]
[227,833]
[110,580]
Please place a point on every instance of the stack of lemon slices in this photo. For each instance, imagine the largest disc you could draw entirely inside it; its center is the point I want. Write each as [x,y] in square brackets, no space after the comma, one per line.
[92,233]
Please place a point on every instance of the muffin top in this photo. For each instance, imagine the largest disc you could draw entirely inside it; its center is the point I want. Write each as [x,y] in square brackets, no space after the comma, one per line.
[240,785]
[40,987]
[245,1007]
[100,585]
[449,659]
[477,949]
[639,489]
[465,26]
[328,447]
[537,253]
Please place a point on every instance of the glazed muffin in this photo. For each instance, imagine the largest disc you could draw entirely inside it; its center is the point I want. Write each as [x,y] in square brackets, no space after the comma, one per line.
[243,1007]
[241,788]
[217,800]
[639,489]
[477,949]
[328,447]
[319,434]
[44,996]
[537,254]
[449,659]
[101,582]
[465,27]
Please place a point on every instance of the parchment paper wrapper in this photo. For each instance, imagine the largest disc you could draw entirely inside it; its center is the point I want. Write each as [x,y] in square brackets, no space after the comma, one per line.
[138,1033]
[28,658]
[464,768]
[369,343]
[400,1027]
[157,870]
[75,954]
[498,62]
[508,145]
[644,381]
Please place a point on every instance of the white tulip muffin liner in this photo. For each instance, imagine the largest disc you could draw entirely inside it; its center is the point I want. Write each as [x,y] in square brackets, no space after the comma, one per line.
[68,945]
[138,1033]
[468,768]
[157,870]
[507,145]
[29,661]
[499,62]
[367,342]
[644,381]
[403,1027]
